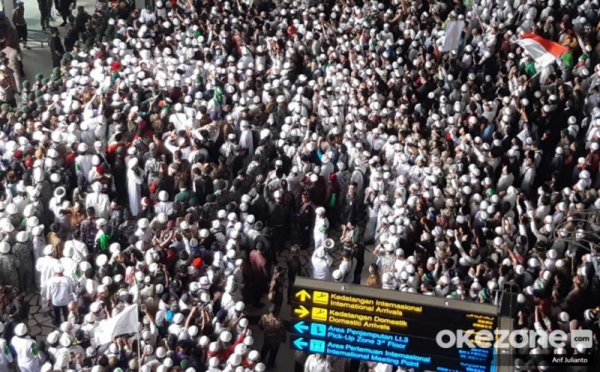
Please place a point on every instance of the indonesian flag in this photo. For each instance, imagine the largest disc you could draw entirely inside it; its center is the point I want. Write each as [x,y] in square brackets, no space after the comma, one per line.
[541,50]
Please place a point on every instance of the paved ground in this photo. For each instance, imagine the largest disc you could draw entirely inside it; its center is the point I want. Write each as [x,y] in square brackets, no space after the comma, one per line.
[37,59]
[32,13]
[40,325]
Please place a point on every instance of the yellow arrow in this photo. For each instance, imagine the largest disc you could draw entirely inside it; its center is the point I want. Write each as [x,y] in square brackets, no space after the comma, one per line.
[303,295]
[301,312]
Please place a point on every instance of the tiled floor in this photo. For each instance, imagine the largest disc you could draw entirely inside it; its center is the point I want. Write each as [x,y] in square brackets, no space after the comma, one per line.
[39,324]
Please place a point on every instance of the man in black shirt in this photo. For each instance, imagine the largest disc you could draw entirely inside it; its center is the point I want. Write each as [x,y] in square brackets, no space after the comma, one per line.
[56,47]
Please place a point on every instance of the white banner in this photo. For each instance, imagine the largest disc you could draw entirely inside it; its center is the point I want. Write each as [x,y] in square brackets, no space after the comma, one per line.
[452,36]
[125,322]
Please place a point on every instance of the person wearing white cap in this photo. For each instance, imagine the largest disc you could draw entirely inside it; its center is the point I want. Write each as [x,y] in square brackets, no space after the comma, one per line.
[99,201]
[246,142]
[83,162]
[22,251]
[79,249]
[67,262]
[455,156]
[163,205]
[59,291]
[25,349]
[527,176]
[229,148]
[321,262]
[327,168]
[321,228]
[135,178]
[45,267]
[359,177]
[238,273]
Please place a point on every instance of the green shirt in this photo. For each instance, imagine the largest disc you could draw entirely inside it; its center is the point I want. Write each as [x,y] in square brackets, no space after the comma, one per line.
[567,60]
[530,69]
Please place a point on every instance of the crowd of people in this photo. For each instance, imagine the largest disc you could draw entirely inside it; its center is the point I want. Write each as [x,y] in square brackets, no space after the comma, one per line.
[189,157]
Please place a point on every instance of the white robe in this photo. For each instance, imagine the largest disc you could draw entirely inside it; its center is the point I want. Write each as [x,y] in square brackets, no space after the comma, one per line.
[528,174]
[372,213]
[69,267]
[45,266]
[80,250]
[246,142]
[504,182]
[83,165]
[163,207]
[320,231]
[100,202]
[24,348]
[321,267]
[134,182]
[5,358]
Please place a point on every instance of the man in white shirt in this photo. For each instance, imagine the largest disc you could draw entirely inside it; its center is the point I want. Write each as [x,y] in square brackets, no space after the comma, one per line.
[99,201]
[80,250]
[25,349]
[321,263]
[45,266]
[59,292]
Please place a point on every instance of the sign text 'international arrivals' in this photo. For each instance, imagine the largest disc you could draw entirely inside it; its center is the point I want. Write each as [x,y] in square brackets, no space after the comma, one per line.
[384,330]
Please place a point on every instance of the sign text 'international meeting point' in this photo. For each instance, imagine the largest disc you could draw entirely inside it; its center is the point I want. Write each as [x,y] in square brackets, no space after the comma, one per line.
[381,326]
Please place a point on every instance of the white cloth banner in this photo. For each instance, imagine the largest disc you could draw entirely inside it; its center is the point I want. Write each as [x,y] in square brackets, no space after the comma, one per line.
[125,322]
[452,37]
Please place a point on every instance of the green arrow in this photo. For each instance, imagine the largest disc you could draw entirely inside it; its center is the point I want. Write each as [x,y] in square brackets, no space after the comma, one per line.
[301,327]
[300,343]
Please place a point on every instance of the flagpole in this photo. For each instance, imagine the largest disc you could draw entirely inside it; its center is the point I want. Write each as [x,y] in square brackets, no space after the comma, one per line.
[534,75]
[139,334]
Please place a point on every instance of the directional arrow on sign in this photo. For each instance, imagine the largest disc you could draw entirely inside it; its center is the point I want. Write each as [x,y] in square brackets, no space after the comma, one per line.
[301,327]
[302,295]
[301,311]
[300,343]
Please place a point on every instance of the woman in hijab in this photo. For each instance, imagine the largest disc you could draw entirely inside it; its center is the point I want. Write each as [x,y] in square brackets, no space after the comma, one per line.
[333,195]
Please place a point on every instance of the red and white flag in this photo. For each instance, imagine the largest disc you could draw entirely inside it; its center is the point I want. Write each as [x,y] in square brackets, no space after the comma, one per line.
[543,51]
